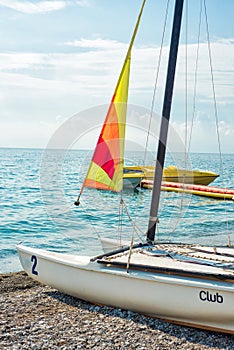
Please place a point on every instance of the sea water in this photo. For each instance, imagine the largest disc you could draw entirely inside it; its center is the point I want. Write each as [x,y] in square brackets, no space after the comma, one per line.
[38,188]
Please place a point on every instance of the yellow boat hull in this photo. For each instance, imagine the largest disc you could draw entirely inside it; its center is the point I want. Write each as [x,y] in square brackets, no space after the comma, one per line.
[172,174]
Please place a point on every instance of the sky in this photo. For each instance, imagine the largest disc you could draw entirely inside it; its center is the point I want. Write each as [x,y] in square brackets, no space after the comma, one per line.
[60,58]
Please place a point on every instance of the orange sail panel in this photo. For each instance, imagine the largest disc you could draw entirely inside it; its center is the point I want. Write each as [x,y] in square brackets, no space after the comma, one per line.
[106,167]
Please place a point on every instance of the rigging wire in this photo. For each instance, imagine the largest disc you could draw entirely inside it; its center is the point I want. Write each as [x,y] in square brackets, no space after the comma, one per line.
[136,229]
[215,110]
[156,82]
[186,86]
[213,88]
[195,78]
[181,206]
[186,102]
[122,208]
[153,99]
[120,226]
[89,221]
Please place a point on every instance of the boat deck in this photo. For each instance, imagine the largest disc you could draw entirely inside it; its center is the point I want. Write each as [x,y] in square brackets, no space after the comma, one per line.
[179,259]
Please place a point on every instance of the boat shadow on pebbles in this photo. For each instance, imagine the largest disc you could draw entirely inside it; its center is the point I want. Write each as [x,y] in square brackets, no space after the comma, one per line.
[45,315]
[147,326]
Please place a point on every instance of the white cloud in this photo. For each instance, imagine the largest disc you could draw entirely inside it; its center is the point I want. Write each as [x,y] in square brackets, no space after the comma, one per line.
[204,135]
[97,43]
[83,3]
[30,7]
[99,66]
[45,85]
[226,129]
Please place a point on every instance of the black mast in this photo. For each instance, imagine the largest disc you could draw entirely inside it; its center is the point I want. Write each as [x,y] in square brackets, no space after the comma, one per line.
[153,219]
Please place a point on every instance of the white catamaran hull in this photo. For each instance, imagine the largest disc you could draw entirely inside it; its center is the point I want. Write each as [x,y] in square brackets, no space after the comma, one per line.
[197,302]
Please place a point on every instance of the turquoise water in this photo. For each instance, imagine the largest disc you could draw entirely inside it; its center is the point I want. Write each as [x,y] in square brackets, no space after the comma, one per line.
[38,189]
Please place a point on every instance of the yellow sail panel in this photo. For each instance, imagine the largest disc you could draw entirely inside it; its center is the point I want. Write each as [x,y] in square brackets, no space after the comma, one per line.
[98,178]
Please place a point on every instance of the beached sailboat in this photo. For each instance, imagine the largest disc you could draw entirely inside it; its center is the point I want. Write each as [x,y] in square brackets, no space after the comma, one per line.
[182,283]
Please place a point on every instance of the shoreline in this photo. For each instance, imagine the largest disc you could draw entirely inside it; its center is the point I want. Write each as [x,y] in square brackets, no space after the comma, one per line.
[34,316]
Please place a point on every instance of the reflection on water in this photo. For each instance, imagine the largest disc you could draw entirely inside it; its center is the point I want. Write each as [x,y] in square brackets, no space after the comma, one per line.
[37,206]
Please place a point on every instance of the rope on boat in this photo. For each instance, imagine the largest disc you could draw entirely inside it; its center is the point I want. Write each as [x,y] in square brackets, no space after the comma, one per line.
[135,227]
[120,218]
[130,253]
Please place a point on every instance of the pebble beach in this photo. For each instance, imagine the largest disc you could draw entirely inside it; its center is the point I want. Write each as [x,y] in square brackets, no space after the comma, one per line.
[34,316]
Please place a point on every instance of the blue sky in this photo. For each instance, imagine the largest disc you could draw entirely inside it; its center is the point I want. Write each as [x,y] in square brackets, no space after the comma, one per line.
[59,58]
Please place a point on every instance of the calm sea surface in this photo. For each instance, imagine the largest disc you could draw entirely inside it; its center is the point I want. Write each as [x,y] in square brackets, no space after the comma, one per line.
[37,191]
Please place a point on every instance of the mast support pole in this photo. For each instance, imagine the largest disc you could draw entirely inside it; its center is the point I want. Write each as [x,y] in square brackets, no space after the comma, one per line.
[153,219]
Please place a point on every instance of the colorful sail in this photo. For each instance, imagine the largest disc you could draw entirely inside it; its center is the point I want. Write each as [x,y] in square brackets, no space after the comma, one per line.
[106,167]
